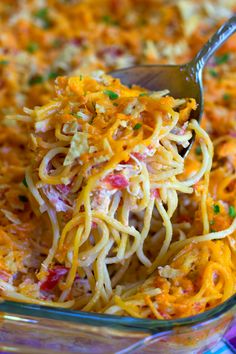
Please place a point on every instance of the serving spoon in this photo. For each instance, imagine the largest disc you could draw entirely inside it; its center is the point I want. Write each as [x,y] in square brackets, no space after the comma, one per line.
[181,80]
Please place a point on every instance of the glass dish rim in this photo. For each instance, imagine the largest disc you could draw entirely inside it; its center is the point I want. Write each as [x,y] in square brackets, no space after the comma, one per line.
[113,321]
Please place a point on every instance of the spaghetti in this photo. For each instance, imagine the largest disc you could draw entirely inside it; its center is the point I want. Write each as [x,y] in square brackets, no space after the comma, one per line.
[99,212]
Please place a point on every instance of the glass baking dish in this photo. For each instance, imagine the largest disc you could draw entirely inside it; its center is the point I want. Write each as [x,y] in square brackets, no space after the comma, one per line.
[27,328]
[33,329]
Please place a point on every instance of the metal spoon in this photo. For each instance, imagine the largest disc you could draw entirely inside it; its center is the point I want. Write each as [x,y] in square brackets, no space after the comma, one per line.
[181,80]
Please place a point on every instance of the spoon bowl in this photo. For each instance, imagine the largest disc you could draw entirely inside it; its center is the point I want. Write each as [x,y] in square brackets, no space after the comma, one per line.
[183,81]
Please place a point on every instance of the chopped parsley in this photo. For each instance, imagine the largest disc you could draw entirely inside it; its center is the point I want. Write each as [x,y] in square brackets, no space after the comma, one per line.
[198,150]
[226,96]
[106,18]
[57,43]
[109,20]
[137,126]
[37,79]
[143,94]
[76,115]
[53,75]
[43,15]
[32,47]
[232,211]
[142,22]
[216,209]
[213,73]
[111,94]
[222,59]
[25,183]
[4,62]
[23,198]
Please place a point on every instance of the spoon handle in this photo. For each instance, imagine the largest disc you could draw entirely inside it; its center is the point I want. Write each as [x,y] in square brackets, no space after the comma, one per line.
[218,38]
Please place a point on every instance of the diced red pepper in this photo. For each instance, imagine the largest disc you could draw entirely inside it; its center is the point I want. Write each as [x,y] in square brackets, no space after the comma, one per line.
[155,193]
[232,133]
[64,189]
[113,51]
[184,218]
[164,315]
[94,225]
[139,156]
[197,306]
[117,181]
[78,41]
[53,278]
[4,275]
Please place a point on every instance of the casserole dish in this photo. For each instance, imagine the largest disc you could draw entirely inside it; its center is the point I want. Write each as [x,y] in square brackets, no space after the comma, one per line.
[35,329]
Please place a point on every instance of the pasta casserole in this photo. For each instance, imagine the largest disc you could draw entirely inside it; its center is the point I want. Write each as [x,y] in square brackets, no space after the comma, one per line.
[99,211]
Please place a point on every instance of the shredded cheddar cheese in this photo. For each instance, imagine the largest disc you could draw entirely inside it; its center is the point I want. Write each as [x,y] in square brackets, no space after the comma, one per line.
[98,211]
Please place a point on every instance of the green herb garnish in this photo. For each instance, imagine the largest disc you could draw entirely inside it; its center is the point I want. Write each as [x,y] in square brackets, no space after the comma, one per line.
[23,198]
[232,211]
[213,73]
[216,209]
[222,59]
[43,15]
[32,47]
[106,19]
[52,75]
[111,94]
[109,20]
[79,115]
[137,126]
[198,150]
[226,96]
[37,79]
[57,43]
[25,183]
[142,22]
[4,62]
[143,94]
[212,222]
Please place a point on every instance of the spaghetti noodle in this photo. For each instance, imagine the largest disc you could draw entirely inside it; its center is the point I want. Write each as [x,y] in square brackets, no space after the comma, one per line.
[99,211]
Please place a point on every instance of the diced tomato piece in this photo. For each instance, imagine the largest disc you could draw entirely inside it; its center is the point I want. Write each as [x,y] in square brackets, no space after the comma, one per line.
[197,306]
[94,225]
[113,51]
[184,218]
[78,41]
[64,189]
[54,276]
[139,156]
[155,193]
[164,315]
[232,133]
[117,181]
[4,275]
